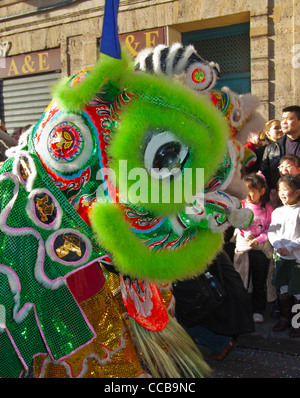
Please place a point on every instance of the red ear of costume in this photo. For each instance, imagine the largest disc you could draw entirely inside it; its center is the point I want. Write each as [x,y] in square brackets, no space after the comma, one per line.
[144,304]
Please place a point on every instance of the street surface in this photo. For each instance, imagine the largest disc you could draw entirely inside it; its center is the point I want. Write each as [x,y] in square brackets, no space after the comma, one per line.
[244,362]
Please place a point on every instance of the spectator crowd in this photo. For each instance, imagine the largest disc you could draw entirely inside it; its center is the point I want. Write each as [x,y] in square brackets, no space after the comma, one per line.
[266,256]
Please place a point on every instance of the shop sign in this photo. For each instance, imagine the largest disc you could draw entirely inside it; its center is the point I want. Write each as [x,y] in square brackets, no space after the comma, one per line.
[136,41]
[31,63]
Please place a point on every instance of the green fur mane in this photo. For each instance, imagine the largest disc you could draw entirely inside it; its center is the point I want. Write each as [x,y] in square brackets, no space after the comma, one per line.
[159,104]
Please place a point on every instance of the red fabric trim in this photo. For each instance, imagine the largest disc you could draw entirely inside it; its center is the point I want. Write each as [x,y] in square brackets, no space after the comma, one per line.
[86,282]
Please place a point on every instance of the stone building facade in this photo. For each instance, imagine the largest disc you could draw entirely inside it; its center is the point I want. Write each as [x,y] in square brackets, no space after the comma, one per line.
[41,39]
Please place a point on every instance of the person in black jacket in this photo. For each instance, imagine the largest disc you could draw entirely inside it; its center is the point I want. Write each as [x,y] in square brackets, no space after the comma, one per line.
[215,322]
[288,144]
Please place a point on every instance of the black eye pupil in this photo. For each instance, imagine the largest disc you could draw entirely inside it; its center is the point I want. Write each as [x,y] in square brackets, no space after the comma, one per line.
[167,156]
[236,116]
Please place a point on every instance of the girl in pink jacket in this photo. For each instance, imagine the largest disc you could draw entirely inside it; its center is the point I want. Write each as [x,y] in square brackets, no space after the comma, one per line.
[253,251]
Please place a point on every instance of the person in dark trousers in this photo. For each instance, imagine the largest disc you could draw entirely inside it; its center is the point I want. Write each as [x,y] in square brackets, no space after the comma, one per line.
[253,251]
[216,323]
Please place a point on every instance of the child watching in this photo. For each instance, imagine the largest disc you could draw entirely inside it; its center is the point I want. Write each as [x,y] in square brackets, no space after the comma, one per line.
[284,235]
[289,164]
[253,250]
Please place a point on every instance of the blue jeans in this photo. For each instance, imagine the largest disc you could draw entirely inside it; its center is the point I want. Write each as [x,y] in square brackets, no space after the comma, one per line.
[215,342]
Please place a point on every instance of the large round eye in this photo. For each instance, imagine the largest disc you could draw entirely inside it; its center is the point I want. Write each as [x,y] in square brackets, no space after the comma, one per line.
[200,76]
[236,117]
[165,155]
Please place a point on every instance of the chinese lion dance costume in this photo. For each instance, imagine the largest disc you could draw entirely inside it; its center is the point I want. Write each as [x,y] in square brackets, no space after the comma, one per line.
[87,255]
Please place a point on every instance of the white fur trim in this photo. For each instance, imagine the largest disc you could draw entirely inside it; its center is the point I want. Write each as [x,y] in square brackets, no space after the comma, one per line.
[250,103]
[30,206]
[188,51]
[19,314]
[156,58]
[50,251]
[81,159]
[84,363]
[255,123]
[142,55]
[210,77]
[39,264]
[16,169]
[239,218]
[170,58]
[21,143]
[176,226]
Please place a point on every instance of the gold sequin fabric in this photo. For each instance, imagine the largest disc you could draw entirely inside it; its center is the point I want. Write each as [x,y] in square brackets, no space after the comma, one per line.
[167,297]
[110,355]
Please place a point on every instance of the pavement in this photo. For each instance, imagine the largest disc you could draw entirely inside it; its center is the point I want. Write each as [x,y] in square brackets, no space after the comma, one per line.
[264,338]
[261,354]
